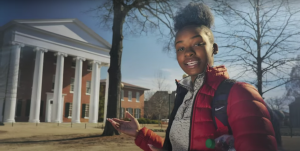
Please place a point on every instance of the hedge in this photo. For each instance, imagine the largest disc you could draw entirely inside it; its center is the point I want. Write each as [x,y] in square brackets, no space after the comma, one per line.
[147,121]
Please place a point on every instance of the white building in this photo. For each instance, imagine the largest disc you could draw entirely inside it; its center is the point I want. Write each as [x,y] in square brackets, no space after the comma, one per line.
[50,71]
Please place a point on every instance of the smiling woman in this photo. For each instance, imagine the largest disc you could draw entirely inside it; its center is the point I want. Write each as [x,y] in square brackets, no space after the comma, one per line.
[194,50]
[192,120]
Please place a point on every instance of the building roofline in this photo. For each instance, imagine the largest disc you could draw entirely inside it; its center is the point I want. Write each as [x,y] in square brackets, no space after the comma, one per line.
[127,85]
[74,20]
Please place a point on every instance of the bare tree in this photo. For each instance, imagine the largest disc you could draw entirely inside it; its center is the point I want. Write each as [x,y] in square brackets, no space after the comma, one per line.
[147,105]
[159,81]
[259,38]
[157,106]
[277,103]
[293,87]
[138,17]
[148,95]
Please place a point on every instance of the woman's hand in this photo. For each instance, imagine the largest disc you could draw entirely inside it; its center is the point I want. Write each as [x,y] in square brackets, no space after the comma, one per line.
[130,128]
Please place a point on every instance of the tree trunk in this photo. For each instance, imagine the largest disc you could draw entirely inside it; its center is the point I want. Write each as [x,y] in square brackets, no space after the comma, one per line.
[259,59]
[113,104]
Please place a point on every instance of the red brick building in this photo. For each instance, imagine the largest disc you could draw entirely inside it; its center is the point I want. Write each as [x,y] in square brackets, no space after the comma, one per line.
[132,99]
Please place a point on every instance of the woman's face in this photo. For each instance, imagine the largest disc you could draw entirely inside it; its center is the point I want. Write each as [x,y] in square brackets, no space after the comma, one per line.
[194,50]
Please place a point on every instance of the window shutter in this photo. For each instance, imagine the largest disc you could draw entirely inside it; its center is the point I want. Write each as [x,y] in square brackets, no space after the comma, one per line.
[67,108]
[83,110]
[41,108]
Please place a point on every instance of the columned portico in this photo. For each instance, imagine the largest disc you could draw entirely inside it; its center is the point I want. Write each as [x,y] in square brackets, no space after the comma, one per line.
[58,86]
[94,99]
[54,94]
[34,116]
[77,90]
[12,82]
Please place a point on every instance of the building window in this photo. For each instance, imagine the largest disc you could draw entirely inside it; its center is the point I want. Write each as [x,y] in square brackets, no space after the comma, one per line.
[73,63]
[72,85]
[53,82]
[85,110]
[130,110]
[88,87]
[68,110]
[122,95]
[137,96]
[122,113]
[19,108]
[129,96]
[137,113]
[89,67]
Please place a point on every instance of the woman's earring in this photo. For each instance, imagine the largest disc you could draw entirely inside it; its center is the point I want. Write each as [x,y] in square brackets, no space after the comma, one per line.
[215,52]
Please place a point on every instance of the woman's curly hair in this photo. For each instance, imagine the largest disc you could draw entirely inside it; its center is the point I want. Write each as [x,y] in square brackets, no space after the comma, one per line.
[196,14]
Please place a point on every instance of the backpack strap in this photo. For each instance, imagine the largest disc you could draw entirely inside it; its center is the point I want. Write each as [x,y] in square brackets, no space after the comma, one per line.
[219,109]
[219,103]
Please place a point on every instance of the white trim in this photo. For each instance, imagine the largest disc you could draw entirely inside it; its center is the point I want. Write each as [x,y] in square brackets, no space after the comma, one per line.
[128,96]
[74,20]
[73,84]
[138,97]
[62,45]
[86,117]
[101,40]
[90,87]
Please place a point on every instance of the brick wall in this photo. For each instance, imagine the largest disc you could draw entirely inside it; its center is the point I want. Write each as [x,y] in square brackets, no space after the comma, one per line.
[133,103]
[26,69]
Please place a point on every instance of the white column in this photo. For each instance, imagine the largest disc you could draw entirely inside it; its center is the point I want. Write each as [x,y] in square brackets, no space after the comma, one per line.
[57,97]
[12,82]
[36,91]
[77,90]
[106,97]
[95,89]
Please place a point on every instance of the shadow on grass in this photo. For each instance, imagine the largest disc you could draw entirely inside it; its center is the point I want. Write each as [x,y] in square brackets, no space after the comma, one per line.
[47,141]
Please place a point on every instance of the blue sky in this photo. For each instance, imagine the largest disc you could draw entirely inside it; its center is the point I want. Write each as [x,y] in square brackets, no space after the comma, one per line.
[142,55]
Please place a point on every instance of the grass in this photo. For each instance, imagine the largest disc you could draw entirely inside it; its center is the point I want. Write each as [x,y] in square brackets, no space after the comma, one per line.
[63,137]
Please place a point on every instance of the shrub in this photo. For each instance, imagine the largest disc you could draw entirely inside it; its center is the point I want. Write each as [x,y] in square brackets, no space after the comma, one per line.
[100,120]
[148,121]
[142,121]
[154,122]
[158,130]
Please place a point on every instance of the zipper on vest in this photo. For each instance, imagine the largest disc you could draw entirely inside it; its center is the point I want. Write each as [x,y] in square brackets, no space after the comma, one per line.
[192,117]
